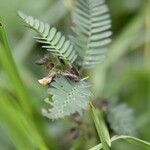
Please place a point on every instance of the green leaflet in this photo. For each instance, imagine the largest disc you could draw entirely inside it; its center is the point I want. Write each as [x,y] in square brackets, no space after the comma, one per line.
[121,119]
[68,97]
[92,25]
[51,39]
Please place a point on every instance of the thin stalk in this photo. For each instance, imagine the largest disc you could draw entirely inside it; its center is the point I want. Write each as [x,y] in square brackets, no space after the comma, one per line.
[147,44]
[21,92]
[8,63]
[147,32]
[130,139]
[101,128]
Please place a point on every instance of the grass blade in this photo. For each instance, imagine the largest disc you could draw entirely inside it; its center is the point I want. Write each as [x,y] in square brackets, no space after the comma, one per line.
[9,66]
[18,125]
[130,139]
[101,128]
[18,120]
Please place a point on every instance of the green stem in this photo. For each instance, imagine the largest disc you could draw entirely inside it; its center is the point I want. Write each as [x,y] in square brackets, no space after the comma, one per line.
[130,139]
[147,43]
[8,63]
[147,32]
[101,128]
[21,92]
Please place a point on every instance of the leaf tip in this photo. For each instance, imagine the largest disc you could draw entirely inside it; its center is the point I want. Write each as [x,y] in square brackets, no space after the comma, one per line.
[21,14]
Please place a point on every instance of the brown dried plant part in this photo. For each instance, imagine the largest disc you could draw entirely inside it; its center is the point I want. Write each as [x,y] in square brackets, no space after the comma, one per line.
[73,73]
[45,61]
[70,72]
[55,73]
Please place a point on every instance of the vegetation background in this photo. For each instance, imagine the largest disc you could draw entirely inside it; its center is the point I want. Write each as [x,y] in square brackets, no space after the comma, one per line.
[124,76]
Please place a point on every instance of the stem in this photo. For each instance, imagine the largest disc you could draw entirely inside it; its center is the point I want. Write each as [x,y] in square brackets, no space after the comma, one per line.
[147,32]
[21,92]
[147,43]
[10,67]
[101,128]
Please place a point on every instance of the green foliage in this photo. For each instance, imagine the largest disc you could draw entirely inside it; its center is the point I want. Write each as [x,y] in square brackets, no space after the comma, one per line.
[68,97]
[101,128]
[51,39]
[121,119]
[119,48]
[92,25]
[15,111]
[8,63]
[122,75]
[130,139]
[18,125]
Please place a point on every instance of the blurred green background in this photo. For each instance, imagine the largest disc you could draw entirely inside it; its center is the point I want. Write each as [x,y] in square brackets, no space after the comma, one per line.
[125,75]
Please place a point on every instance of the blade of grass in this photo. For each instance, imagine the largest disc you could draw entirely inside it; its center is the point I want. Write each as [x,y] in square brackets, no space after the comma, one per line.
[133,140]
[130,139]
[147,39]
[21,93]
[101,128]
[147,42]
[17,125]
[9,65]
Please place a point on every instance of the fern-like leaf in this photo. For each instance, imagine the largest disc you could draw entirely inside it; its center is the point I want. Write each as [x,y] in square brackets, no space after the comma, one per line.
[51,39]
[68,97]
[92,30]
[121,119]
